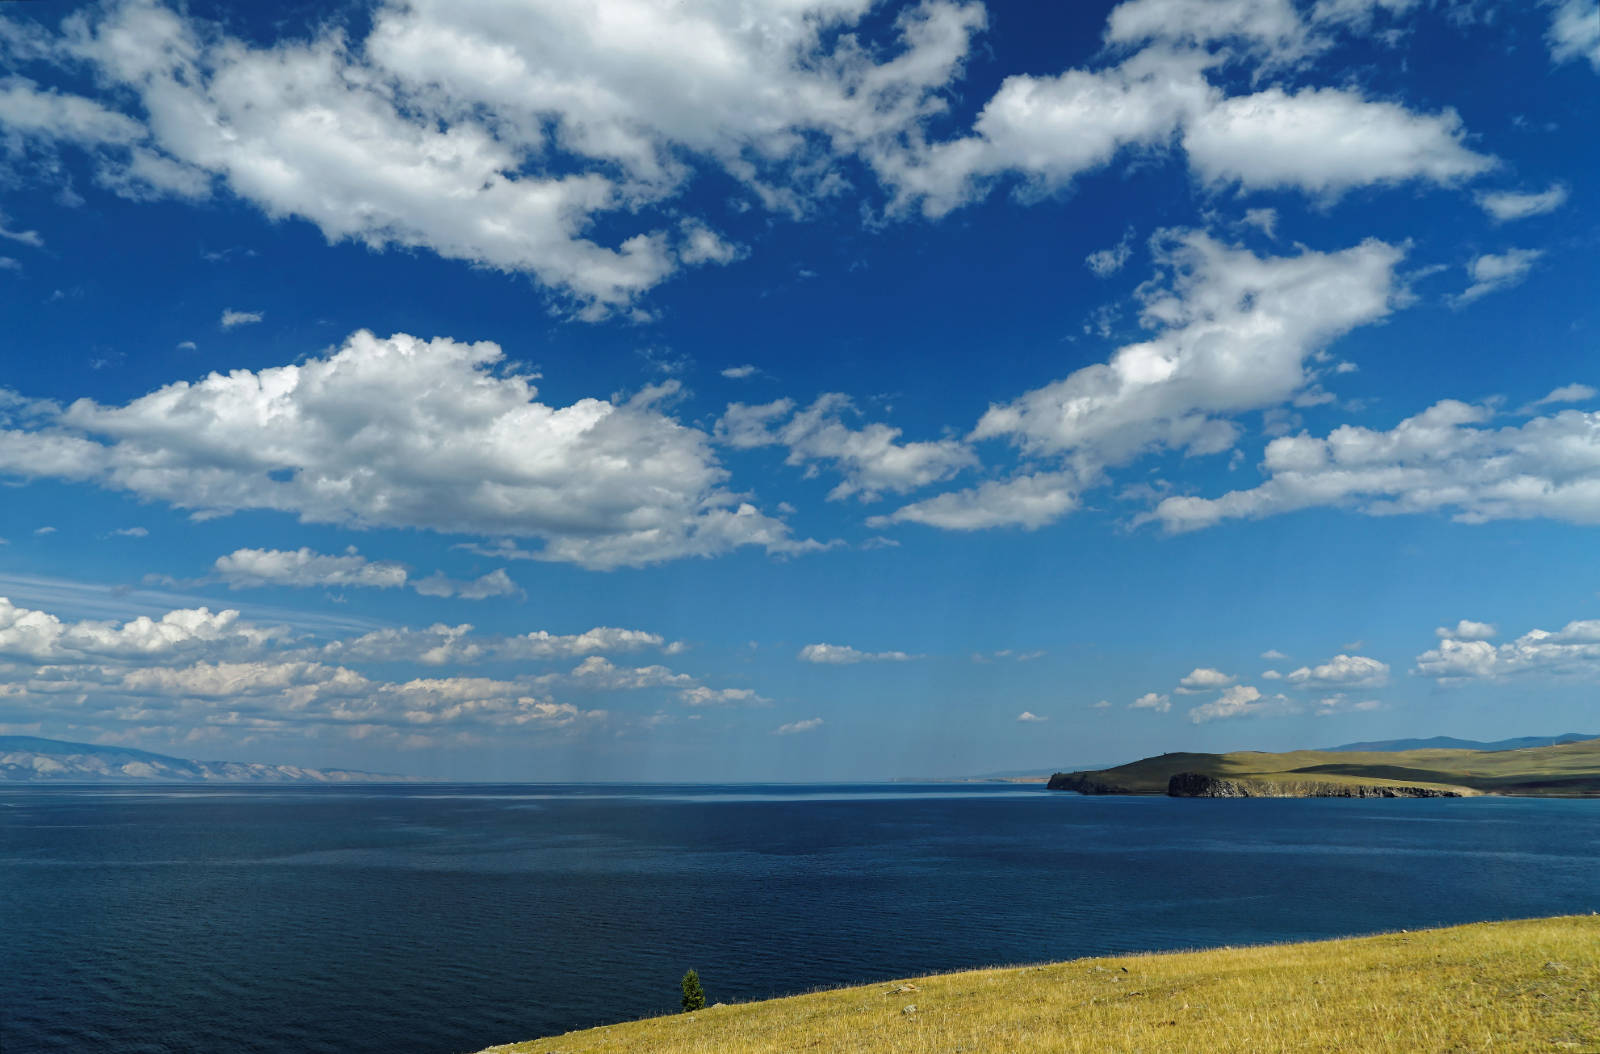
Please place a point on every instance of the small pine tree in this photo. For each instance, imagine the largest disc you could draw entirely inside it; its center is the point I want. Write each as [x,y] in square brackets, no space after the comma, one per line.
[694,997]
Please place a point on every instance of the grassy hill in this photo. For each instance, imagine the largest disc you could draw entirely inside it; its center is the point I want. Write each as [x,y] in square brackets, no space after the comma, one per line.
[1567,769]
[1507,986]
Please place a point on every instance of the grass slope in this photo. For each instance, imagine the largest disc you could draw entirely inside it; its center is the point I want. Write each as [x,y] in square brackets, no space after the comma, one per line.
[1531,985]
[1565,769]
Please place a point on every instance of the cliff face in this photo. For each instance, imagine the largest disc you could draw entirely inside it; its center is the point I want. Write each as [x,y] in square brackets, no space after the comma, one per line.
[1199,785]
[1084,783]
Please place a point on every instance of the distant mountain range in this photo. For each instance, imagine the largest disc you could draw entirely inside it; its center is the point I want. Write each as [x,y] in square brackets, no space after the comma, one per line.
[26,759]
[1450,743]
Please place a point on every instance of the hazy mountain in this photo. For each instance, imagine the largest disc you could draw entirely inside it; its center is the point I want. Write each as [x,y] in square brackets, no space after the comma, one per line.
[26,759]
[1450,743]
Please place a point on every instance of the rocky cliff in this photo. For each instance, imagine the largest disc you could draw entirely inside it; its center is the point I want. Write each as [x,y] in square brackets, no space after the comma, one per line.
[1200,785]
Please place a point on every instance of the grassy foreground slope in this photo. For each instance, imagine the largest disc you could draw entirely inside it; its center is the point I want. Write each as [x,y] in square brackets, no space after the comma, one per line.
[1530,985]
[1567,769]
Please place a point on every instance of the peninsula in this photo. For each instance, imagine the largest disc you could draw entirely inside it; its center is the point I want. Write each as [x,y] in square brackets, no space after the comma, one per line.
[1570,769]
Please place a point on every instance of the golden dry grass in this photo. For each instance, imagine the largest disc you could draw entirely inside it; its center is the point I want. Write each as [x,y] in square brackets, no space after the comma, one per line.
[1529,985]
[1569,769]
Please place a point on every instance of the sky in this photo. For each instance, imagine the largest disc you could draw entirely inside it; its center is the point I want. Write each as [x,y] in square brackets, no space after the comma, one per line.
[796,389]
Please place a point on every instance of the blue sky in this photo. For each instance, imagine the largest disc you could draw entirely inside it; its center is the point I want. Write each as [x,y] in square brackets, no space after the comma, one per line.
[796,389]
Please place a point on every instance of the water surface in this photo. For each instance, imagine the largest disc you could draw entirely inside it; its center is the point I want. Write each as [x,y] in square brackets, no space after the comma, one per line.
[443,919]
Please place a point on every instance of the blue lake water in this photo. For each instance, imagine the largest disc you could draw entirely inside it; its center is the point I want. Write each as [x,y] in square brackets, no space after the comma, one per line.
[445,919]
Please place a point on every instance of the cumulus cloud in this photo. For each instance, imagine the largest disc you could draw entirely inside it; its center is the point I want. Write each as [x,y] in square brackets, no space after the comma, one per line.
[1203,679]
[700,695]
[130,532]
[401,432]
[1242,700]
[494,584]
[246,568]
[503,136]
[1273,655]
[1234,332]
[872,459]
[739,373]
[1341,671]
[1467,629]
[1028,716]
[1573,650]
[1326,141]
[1443,459]
[809,724]
[1152,701]
[38,636]
[1505,206]
[844,655]
[1492,272]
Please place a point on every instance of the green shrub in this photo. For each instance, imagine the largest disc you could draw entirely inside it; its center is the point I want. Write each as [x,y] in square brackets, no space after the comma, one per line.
[694,997]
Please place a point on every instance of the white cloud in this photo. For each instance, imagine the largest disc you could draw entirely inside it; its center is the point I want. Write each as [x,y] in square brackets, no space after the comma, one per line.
[440,644]
[232,318]
[1467,629]
[843,655]
[1049,130]
[1492,272]
[400,432]
[1271,675]
[1441,459]
[246,568]
[1339,703]
[598,672]
[1341,671]
[130,532]
[1027,501]
[503,135]
[494,584]
[1028,716]
[1264,220]
[1325,141]
[1575,32]
[1203,679]
[1273,655]
[1506,206]
[871,459]
[793,727]
[38,636]
[1567,393]
[1241,700]
[700,695]
[1235,332]
[1573,650]
[1152,701]
[33,239]
[739,373]
[1107,262]
[1271,23]
[188,345]
[1104,704]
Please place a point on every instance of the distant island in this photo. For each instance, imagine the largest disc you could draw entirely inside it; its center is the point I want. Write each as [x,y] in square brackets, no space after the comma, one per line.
[1568,767]
[27,759]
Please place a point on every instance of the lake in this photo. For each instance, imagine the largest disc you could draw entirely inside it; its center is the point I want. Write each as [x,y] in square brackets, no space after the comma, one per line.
[444,919]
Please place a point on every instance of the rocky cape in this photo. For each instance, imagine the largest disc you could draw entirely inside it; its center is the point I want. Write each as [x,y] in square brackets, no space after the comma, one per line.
[1568,768]
[27,759]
